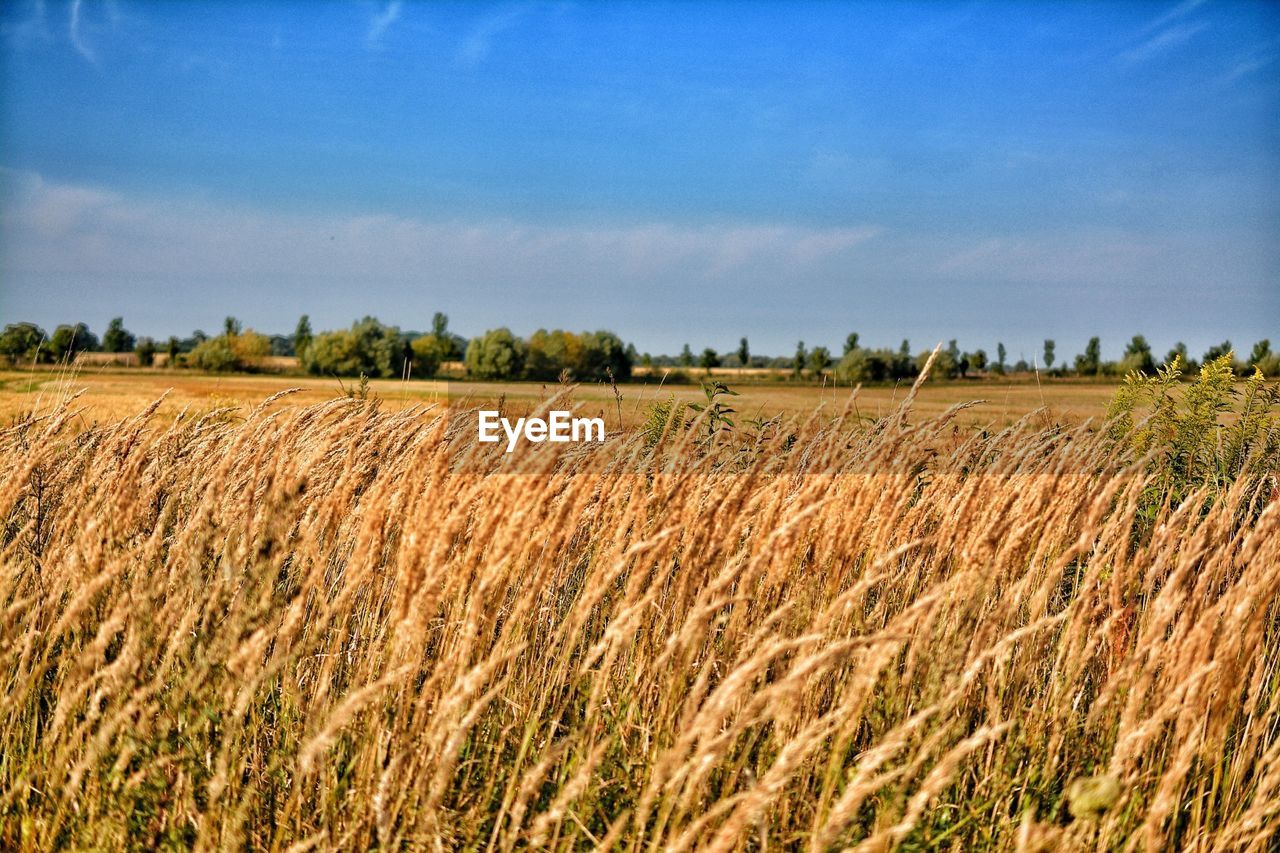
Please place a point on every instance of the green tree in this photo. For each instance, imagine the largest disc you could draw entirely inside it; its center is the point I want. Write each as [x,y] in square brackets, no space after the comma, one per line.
[21,341]
[863,365]
[953,356]
[368,348]
[68,341]
[819,360]
[1179,351]
[146,352]
[1261,352]
[744,353]
[1137,357]
[231,327]
[302,336]
[709,359]
[603,355]
[225,353]
[1002,355]
[117,338]
[172,350]
[904,366]
[979,359]
[1089,363]
[850,343]
[1218,351]
[429,352]
[1049,347]
[497,354]
[686,357]
[801,356]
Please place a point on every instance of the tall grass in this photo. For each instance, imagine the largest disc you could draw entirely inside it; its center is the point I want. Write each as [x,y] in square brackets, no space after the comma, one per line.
[335,626]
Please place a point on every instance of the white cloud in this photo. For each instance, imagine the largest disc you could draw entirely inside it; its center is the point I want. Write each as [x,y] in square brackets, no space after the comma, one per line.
[475,48]
[381,22]
[1096,255]
[1186,7]
[69,229]
[73,30]
[1162,42]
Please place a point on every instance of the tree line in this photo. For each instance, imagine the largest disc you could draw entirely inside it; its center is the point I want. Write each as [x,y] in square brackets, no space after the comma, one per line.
[374,349]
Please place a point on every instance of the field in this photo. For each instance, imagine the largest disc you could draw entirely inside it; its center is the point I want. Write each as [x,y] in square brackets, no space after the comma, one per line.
[118,393]
[344,624]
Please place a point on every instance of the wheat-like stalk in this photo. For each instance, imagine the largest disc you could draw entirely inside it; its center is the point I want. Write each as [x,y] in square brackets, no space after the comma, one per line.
[334,626]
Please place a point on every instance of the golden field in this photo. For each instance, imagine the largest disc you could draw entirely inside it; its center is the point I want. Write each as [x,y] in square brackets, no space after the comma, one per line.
[113,393]
[344,624]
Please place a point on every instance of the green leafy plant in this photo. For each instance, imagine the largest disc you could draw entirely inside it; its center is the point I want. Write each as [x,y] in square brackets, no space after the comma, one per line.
[1206,435]
[716,419]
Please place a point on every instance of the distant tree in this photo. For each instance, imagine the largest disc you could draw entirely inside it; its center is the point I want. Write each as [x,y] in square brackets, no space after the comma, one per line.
[367,348]
[454,344]
[497,354]
[802,355]
[979,359]
[117,338]
[302,336]
[953,355]
[146,352]
[68,341]
[863,365]
[429,352]
[405,360]
[21,342]
[1179,350]
[686,357]
[198,337]
[904,365]
[604,355]
[1137,357]
[1261,352]
[1263,359]
[231,327]
[819,360]
[1001,356]
[850,343]
[1021,366]
[1218,351]
[709,359]
[1090,362]
[1049,347]
[942,364]
[172,351]
[646,360]
[241,351]
[744,353]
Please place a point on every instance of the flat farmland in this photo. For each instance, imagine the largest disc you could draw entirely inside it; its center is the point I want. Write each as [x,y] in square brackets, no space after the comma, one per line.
[113,393]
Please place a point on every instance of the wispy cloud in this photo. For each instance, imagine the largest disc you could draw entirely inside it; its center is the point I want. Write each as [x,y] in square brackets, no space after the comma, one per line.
[77,40]
[69,228]
[1246,65]
[478,44]
[1162,42]
[381,22]
[1181,10]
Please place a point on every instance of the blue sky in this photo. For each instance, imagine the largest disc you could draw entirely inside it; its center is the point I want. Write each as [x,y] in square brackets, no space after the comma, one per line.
[682,172]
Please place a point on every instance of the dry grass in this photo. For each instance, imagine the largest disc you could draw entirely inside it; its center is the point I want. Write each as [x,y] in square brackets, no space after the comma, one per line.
[342,626]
